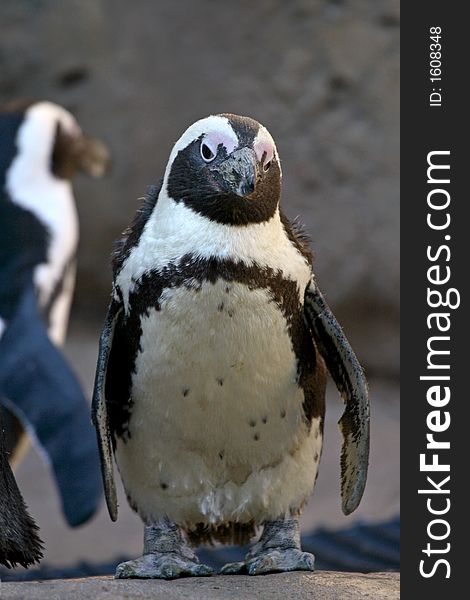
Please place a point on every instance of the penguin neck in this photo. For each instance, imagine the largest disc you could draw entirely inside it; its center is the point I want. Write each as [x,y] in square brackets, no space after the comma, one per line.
[188,232]
[174,234]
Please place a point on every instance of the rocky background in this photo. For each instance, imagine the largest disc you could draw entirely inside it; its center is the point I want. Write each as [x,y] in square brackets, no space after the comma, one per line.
[322,75]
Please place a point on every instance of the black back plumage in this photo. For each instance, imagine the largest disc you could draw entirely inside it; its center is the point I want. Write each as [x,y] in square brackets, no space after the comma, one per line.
[23,239]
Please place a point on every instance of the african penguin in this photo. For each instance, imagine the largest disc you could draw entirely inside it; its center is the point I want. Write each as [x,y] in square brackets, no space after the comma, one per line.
[41,148]
[210,381]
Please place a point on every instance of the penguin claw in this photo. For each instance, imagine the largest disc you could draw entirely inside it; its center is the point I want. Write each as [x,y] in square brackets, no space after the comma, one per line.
[234,568]
[168,565]
[275,560]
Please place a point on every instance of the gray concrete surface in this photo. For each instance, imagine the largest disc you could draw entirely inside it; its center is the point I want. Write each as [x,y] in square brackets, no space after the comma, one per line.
[100,540]
[322,585]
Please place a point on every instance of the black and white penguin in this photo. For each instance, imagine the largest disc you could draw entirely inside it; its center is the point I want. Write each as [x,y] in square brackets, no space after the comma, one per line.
[41,148]
[19,540]
[211,376]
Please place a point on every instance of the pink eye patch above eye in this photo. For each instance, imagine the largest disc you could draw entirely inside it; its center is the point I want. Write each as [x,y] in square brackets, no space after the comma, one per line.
[263,146]
[215,138]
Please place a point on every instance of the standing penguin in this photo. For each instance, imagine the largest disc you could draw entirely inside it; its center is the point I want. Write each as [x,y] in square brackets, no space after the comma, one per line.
[41,148]
[210,383]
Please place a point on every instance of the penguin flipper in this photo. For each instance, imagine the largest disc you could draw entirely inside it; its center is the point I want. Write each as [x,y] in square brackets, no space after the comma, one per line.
[99,409]
[39,387]
[19,540]
[350,380]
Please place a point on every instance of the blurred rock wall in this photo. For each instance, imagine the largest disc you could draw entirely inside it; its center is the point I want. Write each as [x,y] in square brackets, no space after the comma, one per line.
[321,75]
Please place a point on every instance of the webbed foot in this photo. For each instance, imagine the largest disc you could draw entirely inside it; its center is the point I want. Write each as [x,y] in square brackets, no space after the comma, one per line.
[278,550]
[162,565]
[166,556]
[273,561]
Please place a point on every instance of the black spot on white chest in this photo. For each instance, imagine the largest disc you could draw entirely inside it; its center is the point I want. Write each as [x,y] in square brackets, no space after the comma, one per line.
[201,369]
[207,338]
[208,331]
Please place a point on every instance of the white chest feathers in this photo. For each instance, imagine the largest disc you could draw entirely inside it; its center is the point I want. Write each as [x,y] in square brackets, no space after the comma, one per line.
[216,430]
[51,201]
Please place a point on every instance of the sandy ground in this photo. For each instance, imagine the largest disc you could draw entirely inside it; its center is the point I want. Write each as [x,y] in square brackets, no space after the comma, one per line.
[101,540]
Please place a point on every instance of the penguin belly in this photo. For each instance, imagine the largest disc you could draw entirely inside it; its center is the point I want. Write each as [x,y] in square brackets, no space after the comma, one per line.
[217,432]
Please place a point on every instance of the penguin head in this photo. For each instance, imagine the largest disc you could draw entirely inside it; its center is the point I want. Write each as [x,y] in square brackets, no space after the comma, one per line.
[53,141]
[226,168]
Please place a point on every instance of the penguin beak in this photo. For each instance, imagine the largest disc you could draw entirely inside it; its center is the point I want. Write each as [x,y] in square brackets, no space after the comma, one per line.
[238,173]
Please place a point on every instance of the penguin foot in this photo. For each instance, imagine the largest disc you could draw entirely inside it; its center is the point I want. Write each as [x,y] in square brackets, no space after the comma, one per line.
[277,550]
[166,556]
[162,565]
[273,561]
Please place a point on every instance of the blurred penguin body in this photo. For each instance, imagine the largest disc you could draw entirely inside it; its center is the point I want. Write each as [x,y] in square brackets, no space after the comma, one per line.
[39,216]
[32,186]
[41,148]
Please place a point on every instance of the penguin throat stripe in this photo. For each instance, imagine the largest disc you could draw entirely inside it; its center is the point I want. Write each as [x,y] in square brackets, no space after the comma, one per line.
[192,272]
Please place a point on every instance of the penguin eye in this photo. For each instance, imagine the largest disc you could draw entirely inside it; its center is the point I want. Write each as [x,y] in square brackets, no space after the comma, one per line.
[207,153]
[266,164]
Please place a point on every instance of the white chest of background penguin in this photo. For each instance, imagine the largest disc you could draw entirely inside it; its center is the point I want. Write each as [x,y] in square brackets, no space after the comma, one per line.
[211,377]
[40,207]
